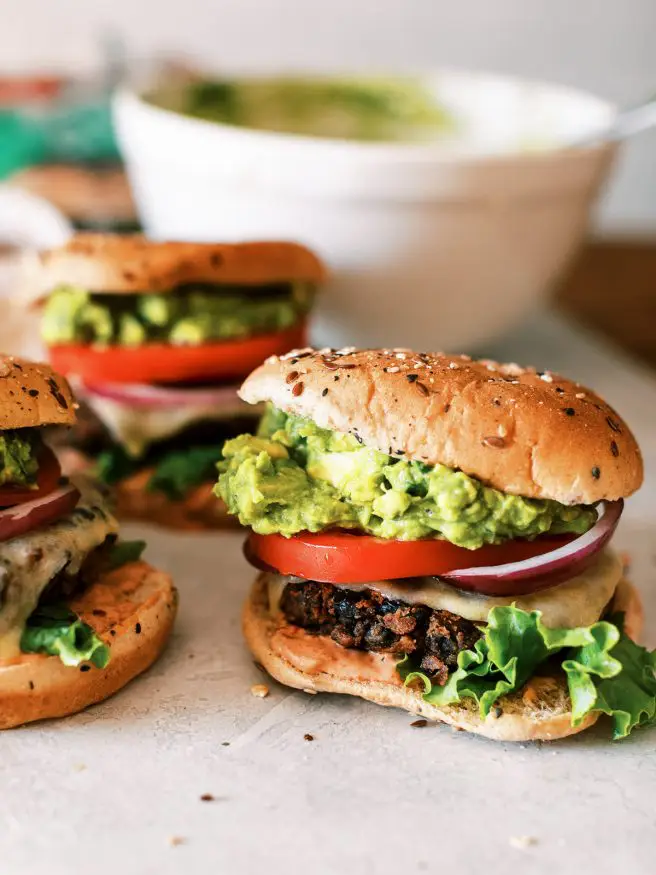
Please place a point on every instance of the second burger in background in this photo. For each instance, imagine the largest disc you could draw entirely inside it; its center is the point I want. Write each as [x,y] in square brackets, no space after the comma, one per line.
[154,337]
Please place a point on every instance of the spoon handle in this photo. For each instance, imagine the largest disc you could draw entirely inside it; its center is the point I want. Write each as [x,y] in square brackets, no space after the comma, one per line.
[629,121]
[634,120]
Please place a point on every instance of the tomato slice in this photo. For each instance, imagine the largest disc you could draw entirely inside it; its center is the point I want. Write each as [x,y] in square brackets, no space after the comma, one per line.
[47,479]
[166,363]
[346,557]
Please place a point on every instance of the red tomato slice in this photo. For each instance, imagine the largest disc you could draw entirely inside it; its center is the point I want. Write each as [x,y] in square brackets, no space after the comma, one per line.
[47,479]
[165,363]
[345,557]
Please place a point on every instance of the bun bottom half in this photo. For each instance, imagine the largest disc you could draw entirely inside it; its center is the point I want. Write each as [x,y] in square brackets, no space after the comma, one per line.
[199,510]
[538,712]
[132,609]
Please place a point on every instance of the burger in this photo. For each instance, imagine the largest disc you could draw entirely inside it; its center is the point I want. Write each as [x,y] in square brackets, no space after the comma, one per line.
[80,613]
[432,533]
[154,338]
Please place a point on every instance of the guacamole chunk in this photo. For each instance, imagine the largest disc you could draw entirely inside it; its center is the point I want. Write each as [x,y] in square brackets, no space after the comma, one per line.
[294,476]
[18,457]
[190,315]
[362,108]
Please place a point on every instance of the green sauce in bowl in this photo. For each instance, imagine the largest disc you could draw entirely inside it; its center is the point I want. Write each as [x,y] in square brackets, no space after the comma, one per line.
[368,109]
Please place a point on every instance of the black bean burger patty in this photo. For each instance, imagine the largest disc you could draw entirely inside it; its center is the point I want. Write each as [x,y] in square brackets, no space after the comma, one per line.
[366,620]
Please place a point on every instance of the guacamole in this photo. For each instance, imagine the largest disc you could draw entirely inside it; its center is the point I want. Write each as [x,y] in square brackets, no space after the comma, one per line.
[190,315]
[18,457]
[294,476]
[364,108]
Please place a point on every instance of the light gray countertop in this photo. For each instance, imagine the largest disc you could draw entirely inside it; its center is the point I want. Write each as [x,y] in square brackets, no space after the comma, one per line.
[109,791]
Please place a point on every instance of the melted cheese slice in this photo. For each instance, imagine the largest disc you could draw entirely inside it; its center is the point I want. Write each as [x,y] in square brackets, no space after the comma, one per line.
[29,563]
[136,428]
[577,602]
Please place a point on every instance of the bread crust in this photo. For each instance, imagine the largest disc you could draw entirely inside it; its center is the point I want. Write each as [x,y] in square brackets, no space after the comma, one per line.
[525,433]
[32,394]
[138,605]
[540,711]
[116,263]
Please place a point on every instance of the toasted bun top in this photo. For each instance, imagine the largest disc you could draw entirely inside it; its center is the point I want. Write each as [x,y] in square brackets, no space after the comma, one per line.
[32,394]
[524,432]
[131,263]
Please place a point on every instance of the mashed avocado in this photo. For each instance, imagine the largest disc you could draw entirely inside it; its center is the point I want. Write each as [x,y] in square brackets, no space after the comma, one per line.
[364,108]
[18,462]
[190,315]
[294,476]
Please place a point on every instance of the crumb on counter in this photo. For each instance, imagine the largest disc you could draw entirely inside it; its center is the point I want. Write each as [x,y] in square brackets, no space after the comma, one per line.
[522,842]
[260,691]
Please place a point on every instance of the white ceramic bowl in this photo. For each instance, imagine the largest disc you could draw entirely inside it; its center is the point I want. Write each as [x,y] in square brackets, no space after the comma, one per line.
[441,245]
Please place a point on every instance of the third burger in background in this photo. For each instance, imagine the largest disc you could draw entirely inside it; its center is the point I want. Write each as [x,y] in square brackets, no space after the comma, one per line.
[153,337]
[432,533]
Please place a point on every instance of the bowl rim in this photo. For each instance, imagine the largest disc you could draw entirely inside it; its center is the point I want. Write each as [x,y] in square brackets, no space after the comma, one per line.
[132,98]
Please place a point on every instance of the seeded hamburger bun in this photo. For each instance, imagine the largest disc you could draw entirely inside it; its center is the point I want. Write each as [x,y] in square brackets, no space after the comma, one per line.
[523,432]
[131,263]
[32,394]
[539,711]
[132,609]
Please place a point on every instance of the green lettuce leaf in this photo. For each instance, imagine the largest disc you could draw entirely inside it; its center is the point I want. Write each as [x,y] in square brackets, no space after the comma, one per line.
[606,671]
[57,631]
[114,464]
[175,472]
[124,552]
[179,472]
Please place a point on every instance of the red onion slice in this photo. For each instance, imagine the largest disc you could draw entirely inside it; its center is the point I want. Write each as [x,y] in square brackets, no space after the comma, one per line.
[29,515]
[142,395]
[541,572]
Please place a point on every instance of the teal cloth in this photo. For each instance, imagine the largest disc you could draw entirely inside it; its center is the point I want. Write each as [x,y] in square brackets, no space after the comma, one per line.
[72,134]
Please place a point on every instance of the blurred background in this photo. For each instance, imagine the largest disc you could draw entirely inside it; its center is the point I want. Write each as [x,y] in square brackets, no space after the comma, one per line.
[60,61]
